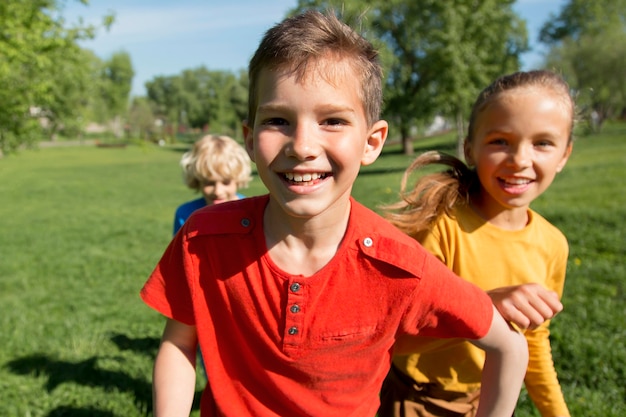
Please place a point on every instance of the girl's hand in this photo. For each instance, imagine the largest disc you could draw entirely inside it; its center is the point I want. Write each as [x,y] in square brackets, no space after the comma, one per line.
[527,305]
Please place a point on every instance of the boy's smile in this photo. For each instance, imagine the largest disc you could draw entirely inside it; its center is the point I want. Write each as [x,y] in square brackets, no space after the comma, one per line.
[310,137]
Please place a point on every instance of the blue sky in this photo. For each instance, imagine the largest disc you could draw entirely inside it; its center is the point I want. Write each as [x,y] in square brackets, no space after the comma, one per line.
[164,37]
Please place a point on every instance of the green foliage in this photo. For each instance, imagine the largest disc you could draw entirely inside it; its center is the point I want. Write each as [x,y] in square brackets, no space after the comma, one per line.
[578,17]
[117,76]
[200,99]
[36,48]
[588,45]
[593,65]
[84,226]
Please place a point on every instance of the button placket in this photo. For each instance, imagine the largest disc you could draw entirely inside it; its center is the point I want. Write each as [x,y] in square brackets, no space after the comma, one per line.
[294,316]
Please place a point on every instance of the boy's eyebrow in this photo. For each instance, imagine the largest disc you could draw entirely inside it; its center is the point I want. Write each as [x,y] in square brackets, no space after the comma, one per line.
[327,108]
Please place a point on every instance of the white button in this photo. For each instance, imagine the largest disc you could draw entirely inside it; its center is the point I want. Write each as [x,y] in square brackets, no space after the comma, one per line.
[368,242]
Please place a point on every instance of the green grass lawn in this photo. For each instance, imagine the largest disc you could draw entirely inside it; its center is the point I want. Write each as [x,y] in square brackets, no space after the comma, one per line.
[82,228]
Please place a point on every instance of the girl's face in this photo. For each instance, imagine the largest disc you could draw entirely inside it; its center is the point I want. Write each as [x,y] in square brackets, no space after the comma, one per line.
[521,141]
[218,191]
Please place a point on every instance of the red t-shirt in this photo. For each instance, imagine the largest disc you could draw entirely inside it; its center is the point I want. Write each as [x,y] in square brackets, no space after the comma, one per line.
[276,344]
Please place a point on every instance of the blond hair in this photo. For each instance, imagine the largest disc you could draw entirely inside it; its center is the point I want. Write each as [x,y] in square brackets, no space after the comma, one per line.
[216,157]
[299,42]
[440,192]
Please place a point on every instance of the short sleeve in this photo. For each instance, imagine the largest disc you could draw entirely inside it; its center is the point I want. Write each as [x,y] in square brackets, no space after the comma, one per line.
[167,290]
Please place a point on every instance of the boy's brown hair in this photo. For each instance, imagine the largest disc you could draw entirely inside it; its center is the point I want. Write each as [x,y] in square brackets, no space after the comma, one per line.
[297,43]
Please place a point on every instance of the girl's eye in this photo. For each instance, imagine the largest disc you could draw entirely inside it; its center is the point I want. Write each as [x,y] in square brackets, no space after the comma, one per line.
[543,144]
[275,121]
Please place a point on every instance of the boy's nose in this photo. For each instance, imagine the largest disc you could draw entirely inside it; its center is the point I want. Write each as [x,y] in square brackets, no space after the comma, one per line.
[219,187]
[304,144]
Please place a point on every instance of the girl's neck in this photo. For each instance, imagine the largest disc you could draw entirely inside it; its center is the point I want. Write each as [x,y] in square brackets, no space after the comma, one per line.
[504,218]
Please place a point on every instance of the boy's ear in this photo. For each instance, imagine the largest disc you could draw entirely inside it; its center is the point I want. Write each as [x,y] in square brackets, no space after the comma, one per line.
[247,139]
[568,152]
[375,141]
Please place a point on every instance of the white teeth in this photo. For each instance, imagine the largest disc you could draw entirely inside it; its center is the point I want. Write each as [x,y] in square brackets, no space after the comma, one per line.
[303,177]
[518,181]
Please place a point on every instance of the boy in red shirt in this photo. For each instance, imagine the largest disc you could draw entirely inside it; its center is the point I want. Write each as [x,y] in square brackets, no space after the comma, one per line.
[297,297]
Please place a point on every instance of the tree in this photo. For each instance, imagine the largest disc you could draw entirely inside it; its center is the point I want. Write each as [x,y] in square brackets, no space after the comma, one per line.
[588,45]
[141,120]
[438,55]
[201,99]
[34,45]
[116,79]
[580,17]
[594,67]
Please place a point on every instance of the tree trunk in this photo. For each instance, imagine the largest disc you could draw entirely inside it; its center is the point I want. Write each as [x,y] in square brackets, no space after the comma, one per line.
[407,142]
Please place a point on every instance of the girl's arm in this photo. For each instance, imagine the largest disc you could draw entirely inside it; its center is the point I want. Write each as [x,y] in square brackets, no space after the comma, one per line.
[506,358]
[174,376]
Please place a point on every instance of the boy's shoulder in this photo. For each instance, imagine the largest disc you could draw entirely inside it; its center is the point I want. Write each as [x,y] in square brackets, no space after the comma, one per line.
[191,206]
[380,240]
[232,217]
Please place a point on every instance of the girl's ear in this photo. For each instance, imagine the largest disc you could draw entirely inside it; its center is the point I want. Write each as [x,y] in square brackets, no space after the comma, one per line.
[568,152]
[467,150]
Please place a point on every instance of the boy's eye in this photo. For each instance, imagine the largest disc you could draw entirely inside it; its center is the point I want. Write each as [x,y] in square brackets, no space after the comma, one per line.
[334,122]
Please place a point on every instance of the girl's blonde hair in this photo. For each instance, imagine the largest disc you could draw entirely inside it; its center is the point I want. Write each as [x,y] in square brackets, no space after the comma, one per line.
[438,193]
[215,158]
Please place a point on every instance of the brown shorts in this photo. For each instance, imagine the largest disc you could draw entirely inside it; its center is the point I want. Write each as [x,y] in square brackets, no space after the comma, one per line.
[400,396]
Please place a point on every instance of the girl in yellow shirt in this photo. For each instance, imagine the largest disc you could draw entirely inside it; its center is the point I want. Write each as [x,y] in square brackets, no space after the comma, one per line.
[476,218]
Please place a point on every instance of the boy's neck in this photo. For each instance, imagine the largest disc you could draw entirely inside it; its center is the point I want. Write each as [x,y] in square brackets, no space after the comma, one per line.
[303,246]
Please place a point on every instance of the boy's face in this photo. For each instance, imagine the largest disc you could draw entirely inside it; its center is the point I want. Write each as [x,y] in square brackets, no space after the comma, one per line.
[521,141]
[310,137]
[218,191]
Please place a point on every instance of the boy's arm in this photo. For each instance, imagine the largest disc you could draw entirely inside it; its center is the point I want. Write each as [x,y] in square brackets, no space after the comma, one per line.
[174,376]
[506,358]
[527,305]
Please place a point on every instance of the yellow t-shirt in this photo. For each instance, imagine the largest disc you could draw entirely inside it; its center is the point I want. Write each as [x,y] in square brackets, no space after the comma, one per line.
[491,257]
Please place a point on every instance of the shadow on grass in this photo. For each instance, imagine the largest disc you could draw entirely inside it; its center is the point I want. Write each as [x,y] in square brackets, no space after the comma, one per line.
[65,411]
[88,373]
[147,346]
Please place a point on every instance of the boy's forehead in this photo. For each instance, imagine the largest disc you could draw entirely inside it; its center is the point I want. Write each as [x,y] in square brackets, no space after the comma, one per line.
[328,68]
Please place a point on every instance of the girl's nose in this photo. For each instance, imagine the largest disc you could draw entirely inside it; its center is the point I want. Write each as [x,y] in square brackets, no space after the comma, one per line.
[521,156]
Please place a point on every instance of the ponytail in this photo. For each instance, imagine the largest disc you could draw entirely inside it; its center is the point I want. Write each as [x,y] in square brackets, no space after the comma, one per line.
[433,194]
